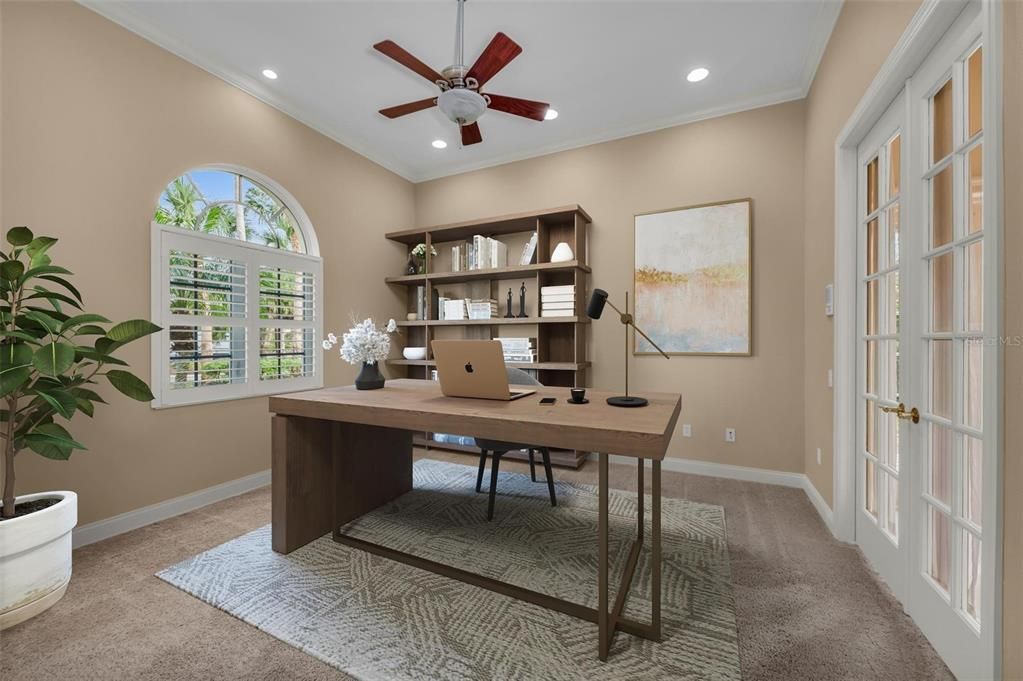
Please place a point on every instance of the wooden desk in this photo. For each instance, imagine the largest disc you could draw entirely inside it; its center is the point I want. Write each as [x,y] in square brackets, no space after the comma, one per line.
[339,453]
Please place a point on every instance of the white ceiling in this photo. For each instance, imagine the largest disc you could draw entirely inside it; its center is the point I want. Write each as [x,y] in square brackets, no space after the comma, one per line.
[611,69]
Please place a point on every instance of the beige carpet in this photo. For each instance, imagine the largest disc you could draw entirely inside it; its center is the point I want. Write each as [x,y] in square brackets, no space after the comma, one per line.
[807,607]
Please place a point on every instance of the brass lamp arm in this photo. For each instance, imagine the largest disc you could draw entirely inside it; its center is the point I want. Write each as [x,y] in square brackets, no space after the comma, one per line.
[626,319]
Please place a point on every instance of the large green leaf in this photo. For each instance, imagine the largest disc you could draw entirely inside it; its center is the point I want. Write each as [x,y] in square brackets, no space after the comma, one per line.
[39,245]
[13,355]
[53,298]
[42,271]
[63,402]
[130,385]
[87,394]
[90,330]
[85,406]
[52,441]
[19,236]
[63,282]
[47,321]
[54,358]
[106,345]
[11,270]
[133,329]
[14,378]
[81,319]
[98,357]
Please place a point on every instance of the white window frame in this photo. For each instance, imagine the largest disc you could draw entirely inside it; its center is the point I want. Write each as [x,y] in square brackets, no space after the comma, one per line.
[163,239]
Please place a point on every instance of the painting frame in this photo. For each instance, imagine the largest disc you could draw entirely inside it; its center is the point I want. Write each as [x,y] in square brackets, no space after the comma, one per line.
[636,351]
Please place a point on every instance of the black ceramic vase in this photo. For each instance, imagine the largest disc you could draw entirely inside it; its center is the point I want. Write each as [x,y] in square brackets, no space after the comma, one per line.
[370,377]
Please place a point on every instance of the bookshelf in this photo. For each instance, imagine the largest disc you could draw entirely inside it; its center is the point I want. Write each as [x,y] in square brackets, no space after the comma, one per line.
[560,341]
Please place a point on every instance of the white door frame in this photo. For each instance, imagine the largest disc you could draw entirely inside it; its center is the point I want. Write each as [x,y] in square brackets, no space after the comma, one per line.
[931,21]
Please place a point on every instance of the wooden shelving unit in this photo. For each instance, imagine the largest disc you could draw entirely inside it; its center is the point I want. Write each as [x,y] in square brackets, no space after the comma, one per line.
[561,341]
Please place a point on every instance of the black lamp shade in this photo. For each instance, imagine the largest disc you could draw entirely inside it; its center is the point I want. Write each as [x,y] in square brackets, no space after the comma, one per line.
[597,301]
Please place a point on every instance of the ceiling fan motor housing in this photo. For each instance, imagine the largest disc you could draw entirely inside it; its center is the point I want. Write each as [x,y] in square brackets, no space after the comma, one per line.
[461,105]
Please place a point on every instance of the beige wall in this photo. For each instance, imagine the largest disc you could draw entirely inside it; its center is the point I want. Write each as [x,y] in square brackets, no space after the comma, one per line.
[1012,473]
[96,121]
[756,154]
[863,37]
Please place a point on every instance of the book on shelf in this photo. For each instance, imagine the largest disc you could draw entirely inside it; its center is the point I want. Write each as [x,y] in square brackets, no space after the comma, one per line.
[482,309]
[517,342]
[557,313]
[522,359]
[557,297]
[454,309]
[568,305]
[554,290]
[528,251]
[481,253]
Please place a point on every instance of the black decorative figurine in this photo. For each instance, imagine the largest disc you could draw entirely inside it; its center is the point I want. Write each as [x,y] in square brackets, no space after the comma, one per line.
[509,315]
[522,300]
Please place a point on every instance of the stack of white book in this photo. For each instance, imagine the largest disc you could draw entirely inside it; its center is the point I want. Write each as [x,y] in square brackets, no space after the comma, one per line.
[482,309]
[482,253]
[557,301]
[519,349]
[454,308]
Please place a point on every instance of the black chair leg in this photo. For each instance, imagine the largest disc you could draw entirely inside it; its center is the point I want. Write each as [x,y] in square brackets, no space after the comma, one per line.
[550,478]
[532,465]
[483,467]
[494,465]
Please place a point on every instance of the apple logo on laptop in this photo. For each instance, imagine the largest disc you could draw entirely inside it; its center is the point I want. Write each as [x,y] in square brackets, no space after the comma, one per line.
[468,367]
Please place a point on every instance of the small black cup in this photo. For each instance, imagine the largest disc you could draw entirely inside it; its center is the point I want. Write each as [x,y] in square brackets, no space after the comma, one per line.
[578,394]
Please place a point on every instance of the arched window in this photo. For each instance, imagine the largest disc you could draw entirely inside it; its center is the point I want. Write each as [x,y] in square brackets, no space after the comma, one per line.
[236,288]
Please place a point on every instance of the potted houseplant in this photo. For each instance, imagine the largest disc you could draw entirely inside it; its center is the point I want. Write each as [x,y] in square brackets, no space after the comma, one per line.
[365,344]
[51,354]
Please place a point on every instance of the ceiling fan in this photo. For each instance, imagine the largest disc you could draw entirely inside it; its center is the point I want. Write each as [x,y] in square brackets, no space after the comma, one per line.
[460,98]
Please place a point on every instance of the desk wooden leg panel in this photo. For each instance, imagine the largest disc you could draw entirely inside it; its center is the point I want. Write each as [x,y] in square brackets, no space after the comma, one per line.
[316,488]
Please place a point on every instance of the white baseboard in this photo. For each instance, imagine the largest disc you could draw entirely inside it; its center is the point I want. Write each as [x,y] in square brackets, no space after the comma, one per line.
[746,474]
[818,502]
[722,470]
[140,517]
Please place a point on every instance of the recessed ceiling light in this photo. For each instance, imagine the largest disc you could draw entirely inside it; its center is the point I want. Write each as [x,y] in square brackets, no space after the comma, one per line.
[270,73]
[696,75]
[551,114]
[439,144]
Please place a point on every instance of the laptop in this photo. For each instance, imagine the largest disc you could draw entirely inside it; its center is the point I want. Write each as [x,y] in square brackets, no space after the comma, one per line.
[474,368]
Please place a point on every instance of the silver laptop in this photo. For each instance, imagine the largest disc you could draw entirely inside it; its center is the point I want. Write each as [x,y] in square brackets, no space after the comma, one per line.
[474,368]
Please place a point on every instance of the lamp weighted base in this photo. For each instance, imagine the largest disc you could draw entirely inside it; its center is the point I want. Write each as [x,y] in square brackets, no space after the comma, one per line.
[627,401]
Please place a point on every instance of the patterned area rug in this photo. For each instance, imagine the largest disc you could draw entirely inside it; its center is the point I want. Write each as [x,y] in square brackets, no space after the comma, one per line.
[376,619]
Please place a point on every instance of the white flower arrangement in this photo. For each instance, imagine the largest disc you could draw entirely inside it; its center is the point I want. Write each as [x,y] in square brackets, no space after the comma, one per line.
[420,251]
[364,342]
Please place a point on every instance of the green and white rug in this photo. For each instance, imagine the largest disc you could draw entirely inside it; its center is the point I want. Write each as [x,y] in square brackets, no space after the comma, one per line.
[376,619]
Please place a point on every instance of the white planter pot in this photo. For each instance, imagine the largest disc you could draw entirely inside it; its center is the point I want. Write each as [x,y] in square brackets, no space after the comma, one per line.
[35,557]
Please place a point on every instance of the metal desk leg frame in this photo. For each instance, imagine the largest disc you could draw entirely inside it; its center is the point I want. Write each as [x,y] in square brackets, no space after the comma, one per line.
[609,622]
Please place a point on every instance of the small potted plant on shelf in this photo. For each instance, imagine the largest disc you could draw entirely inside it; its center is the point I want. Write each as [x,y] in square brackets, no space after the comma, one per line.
[51,354]
[365,344]
[417,258]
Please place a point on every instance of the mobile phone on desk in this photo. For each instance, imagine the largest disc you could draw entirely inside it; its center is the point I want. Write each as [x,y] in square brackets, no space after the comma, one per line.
[548,400]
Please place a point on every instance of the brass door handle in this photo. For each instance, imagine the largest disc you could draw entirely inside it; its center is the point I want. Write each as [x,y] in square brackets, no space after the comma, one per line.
[900,411]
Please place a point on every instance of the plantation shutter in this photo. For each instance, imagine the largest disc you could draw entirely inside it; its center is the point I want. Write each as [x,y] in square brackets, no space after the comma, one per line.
[238,319]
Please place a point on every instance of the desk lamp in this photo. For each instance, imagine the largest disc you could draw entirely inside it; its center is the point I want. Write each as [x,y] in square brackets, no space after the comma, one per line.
[593,311]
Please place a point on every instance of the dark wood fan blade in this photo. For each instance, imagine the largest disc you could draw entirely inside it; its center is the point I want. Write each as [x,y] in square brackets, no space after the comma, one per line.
[411,107]
[495,57]
[398,54]
[518,107]
[471,134]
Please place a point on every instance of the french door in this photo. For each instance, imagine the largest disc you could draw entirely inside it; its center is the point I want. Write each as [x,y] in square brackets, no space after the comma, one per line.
[927,341]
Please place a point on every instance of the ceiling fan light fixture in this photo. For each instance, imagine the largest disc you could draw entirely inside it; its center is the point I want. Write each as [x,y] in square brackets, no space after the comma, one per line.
[551,114]
[439,144]
[461,106]
[270,74]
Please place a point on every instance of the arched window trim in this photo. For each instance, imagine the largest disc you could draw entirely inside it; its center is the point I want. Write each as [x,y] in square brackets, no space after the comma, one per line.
[251,257]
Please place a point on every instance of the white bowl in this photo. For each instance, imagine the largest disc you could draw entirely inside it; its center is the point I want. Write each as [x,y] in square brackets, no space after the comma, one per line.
[414,353]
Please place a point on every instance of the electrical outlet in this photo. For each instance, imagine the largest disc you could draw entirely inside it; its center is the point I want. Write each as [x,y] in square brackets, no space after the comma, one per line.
[729,434]
[687,430]
[818,456]
[831,378]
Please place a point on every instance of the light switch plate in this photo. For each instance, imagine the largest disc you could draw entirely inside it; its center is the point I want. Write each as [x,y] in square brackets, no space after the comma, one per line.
[729,434]
[818,456]
[831,378]
[829,300]
[687,430]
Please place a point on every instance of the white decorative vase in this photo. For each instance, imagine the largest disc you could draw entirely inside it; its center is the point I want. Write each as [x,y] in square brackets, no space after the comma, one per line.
[35,557]
[562,253]
[414,352]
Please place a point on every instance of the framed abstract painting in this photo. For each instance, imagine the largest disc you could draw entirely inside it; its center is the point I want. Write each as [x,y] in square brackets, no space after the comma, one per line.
[693,279]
